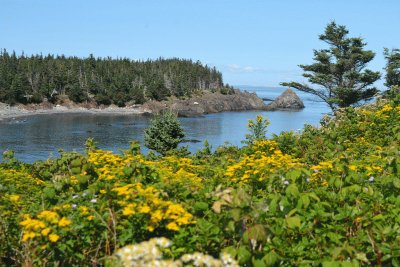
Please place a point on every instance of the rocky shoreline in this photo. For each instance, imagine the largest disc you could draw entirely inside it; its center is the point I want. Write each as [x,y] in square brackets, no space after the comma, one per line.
[198,105]
[204,103]
[9,112]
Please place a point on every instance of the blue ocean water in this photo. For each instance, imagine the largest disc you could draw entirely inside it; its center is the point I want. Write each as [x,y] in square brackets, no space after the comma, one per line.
[38,137]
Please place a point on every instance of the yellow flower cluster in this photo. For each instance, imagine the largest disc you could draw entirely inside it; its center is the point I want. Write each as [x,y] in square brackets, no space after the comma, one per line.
[319,171]
[179,172]
[45,225]
[110,166]
[135,199]
[258,166]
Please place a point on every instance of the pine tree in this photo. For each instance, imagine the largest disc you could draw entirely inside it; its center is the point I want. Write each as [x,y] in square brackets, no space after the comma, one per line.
[339,72]
[164,133]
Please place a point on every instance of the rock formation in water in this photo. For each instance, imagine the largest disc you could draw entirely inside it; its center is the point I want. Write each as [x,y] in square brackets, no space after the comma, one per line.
[288,100]
[209,102]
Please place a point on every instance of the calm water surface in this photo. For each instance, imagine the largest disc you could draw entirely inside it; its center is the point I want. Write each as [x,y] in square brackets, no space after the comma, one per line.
[38,137]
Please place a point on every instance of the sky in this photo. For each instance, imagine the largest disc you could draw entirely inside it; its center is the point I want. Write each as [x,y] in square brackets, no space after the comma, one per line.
[251,42]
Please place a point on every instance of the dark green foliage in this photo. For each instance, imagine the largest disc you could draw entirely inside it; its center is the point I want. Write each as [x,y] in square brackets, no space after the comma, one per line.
[339,72]
[106,80]
[392,67]
[164,133]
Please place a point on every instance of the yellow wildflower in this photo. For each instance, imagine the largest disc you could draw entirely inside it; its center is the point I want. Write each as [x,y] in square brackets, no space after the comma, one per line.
[129,210]
[28,235]
[45,231]
[352,167]
[54,237]
[49,216]
[14,198]
[144,209]
[172,226]
[64,222]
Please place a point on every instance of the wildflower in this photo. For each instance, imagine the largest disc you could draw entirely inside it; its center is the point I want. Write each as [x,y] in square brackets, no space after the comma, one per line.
[74,206]
[54,237]
[49,216]
[286,182]
[352,167]
[45,231]
[371,179]
[64,222]
[28,235]
[144,209]
[75,196]
[14,198]
[172,226]
[93,200]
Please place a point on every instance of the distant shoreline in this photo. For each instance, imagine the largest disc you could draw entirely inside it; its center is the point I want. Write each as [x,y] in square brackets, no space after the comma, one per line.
[10,112]
[198,105]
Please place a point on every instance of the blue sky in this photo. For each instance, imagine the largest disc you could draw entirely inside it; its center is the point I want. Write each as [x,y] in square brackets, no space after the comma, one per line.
[251,42]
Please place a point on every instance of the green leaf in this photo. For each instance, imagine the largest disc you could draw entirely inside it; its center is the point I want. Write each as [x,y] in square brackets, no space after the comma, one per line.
[293,211]
[362,257]
[293,175]
[271,258]
[200,206]
[258,263]
[396,183]
[293,222]
[243,255]
[292,190]
[231,251]
[236,214]
[331,264]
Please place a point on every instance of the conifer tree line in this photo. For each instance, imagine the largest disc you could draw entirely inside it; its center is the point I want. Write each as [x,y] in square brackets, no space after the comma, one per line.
[33,79]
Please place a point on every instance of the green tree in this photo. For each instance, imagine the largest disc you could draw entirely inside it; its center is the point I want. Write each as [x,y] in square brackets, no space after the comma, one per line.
[339,72]
[392,67]
[164,133]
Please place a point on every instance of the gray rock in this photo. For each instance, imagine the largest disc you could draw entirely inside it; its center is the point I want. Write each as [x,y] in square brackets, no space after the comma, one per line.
[209,102]
[288,100]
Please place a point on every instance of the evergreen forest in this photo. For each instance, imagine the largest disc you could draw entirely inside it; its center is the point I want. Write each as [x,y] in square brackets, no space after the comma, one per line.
[37,78]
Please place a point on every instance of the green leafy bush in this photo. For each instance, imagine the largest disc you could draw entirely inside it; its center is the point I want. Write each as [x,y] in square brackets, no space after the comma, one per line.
[164,133]
[328,196]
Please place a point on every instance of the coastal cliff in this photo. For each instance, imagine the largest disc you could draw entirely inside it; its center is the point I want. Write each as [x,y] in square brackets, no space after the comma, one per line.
[209,102]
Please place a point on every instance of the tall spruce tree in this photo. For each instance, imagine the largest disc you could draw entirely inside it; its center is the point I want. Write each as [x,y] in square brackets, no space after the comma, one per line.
[339,72]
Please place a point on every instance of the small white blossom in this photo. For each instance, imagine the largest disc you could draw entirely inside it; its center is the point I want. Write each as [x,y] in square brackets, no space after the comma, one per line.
[93,200]
[371,179]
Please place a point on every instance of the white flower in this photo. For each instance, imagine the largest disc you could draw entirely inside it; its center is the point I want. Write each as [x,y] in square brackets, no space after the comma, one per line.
[74,206]
[84,194]
[93,200]
[75,196]
[371,179]
[286,182]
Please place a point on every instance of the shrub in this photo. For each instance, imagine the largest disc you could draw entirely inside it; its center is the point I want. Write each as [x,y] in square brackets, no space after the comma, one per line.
[164,133]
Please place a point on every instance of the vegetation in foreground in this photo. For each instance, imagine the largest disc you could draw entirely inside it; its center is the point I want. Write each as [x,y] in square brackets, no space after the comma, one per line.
[328,196]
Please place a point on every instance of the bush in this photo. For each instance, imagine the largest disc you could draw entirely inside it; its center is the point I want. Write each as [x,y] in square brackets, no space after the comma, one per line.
[164,133]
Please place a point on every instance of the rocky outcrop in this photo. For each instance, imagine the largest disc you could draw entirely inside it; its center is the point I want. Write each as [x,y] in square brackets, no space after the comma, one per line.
[288,100]
[209,102]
